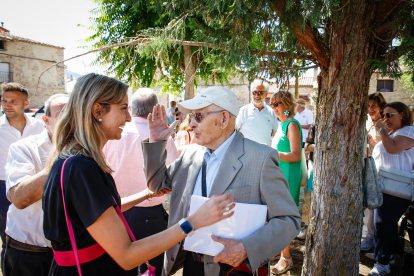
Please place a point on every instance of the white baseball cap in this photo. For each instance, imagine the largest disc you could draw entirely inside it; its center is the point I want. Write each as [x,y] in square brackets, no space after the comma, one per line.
[219,96]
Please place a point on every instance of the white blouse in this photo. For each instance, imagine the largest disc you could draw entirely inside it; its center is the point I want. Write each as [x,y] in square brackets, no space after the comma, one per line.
[401,161]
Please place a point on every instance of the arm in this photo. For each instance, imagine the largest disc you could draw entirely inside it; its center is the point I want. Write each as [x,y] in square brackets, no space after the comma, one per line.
[28,191]
[283,215]
[132,200]
[273,133]
[109,231]
[293,134]
[309,147]
[396,145]
[305,126]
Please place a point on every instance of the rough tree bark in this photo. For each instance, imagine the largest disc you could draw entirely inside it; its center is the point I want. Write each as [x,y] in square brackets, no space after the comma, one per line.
[333,238]
[190,71]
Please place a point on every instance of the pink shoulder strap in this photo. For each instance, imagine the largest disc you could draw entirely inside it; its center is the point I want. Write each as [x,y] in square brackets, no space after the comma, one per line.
[69,223]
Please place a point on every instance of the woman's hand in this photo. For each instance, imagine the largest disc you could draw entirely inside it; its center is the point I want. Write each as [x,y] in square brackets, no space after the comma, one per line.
[213,210]
[379,124]
[160,193]
[372,141]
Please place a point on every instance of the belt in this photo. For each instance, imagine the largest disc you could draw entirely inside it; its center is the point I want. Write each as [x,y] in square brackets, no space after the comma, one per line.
[2,182]
[67,258]
[25,247]
[199,258]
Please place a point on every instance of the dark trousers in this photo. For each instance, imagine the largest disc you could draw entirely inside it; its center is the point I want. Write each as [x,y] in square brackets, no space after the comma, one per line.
[4,207]
[192,267]
[19,263]
[145,222]
[386,227]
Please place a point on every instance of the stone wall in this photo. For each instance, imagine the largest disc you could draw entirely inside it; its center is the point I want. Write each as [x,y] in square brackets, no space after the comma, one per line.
[27,61]
[400,94]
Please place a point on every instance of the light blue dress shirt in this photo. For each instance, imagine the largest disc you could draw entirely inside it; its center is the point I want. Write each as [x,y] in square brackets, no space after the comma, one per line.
[213,161]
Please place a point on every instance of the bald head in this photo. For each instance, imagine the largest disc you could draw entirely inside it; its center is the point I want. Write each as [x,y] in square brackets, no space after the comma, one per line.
[143,101]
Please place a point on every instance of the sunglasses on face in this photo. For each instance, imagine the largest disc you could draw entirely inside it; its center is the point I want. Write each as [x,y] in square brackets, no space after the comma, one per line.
[389,115]
[258,93]
[198,116]
[276,104]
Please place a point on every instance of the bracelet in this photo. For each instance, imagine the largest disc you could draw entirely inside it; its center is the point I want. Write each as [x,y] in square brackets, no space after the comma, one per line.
[381,129]
[150,196]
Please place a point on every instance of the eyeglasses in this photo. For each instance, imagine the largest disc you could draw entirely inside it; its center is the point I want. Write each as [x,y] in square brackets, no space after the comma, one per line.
[389,115]
[258,93]
[276,104]
[198,116]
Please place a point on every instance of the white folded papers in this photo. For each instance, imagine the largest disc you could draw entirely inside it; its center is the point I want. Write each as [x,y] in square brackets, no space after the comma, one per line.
[247,219]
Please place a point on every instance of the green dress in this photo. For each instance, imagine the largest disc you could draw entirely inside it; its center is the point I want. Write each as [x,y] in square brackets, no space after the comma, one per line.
[291,170]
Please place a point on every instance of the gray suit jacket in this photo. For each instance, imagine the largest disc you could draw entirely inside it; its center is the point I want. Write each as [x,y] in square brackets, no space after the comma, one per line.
[249,172]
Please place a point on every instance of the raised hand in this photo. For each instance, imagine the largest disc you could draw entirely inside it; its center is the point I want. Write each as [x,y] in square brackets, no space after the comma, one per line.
[233,253]
[158,125]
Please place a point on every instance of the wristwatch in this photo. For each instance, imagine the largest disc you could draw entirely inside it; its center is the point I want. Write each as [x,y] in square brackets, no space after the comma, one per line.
[381,129]
[187,228]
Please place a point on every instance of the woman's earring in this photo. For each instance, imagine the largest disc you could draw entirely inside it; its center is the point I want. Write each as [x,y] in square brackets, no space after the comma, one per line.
[286,113]
[100,119]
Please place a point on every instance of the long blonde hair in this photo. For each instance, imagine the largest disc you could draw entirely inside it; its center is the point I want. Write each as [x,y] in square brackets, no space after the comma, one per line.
[77,131]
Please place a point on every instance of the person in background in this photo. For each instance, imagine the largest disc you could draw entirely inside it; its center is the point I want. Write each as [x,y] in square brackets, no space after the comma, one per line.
[171,112]
[125,156]
[394,151]
[97,112]
[256,121]
[309,147]
[185,135]
[376,105]
[27,250]
[14,125]
[288,142]
[305,117]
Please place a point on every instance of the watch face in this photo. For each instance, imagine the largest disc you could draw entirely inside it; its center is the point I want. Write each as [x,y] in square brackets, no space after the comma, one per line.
[186,227]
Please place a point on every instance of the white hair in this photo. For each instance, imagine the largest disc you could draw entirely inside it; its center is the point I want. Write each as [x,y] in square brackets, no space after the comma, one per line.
[143,101]
[258,82]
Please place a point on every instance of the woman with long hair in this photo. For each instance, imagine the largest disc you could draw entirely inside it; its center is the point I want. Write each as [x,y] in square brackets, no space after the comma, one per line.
[89,202]
[288,142]
[395,153]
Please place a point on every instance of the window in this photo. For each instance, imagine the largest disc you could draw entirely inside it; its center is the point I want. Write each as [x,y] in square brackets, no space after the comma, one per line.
[385,85]
[2,45]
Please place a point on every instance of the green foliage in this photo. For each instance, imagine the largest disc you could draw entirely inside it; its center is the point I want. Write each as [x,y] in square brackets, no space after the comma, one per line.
[408,69]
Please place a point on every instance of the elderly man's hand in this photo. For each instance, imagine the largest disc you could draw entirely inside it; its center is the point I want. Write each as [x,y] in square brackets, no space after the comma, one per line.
[158,124]
[233,253]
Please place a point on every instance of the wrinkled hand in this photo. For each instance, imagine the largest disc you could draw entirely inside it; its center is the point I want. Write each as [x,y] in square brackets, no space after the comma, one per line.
[233,253]
[372,141]
[158,125]
[213,210]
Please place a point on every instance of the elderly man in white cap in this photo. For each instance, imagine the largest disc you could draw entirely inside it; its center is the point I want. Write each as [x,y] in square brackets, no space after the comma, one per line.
[221,162]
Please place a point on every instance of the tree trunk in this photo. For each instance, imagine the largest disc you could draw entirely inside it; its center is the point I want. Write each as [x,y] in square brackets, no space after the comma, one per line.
[334,233]
[190,71]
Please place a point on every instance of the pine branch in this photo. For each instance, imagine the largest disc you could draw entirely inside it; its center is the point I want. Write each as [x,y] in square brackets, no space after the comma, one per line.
[187,43]
[385,9]
[306,36]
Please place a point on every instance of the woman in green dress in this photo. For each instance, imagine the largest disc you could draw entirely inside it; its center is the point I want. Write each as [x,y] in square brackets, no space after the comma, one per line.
[288,142]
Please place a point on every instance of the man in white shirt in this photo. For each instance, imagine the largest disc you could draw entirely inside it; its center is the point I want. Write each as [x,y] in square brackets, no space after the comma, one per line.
[171,113]
[14,125]
[127,161]
[305,117]
[27,251]
[256,120]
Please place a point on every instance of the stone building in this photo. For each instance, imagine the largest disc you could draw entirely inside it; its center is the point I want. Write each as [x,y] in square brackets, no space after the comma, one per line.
[22,60]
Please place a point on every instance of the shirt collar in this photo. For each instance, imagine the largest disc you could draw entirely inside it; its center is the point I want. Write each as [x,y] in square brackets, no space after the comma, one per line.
[42,138]
[139,120]
[254,107]
[220,151]
[4,121]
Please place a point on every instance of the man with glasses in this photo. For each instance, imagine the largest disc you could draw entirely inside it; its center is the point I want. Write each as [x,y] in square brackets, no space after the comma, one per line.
[220,162]
[256,120]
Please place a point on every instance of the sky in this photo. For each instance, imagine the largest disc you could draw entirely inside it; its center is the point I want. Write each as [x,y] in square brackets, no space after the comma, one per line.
[54,22]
